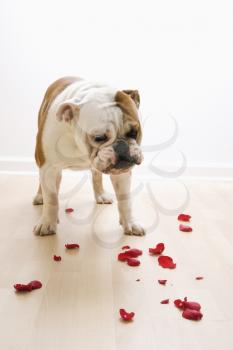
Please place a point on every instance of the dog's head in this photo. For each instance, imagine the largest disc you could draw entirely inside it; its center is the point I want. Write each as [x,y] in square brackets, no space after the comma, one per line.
[108,123]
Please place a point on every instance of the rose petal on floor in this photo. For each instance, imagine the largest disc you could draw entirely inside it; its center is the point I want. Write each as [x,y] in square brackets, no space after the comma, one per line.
[72,246]
[158,249]
[133,253]
[126,316]
[56,258]
[122,257]
[192,314]
[165,301]
[23,287]
[163,282]
[35,284]
[185,228]
[192,305]
[166,262]
[179,303]
[69,210]
[125,247]
[184,217]
[133,262]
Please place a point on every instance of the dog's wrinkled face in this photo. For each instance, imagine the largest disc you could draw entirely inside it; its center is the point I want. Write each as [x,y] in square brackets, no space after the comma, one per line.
[108,125]
[115,141]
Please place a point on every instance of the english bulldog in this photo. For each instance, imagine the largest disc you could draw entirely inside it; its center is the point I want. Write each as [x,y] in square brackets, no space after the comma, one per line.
[87,125]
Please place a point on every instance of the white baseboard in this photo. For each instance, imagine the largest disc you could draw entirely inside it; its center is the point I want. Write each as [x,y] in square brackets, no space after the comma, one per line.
[193,171]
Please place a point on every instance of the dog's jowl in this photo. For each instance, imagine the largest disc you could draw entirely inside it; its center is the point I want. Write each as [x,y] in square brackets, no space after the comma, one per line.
[87,125]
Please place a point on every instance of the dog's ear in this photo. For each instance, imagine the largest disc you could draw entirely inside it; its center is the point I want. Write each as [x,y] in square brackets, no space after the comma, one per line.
[68,110]
[134,94]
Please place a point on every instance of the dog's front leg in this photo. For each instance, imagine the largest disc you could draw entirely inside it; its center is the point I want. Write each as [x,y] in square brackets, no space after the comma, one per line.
[49,180]
[101,196]
[121,184]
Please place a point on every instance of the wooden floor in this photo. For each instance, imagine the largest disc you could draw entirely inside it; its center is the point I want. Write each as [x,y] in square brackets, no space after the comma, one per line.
[77,307]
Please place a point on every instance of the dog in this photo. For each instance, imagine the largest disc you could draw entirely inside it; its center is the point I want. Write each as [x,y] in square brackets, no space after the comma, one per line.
[87,125]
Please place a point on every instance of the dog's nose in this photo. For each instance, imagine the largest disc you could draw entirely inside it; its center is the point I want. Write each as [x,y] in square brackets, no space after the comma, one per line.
[124,159]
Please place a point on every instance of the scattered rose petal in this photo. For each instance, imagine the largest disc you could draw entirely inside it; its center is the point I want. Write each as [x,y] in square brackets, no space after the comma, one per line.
[133,253]
[126,316]
[133,262]
[35,284]
[199,278]
[185,228]
[157,250]
[192,314]
[28,287]
[179,303]
[23,287]
[192,305]
[71,246]
[57,258]
[165,301]
[162,282]
[166,262]
[123,257]
[185,304]
[125,247]
[69,210]
[184,217]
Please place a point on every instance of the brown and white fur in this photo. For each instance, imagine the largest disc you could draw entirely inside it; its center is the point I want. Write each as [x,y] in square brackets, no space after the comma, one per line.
[86,125]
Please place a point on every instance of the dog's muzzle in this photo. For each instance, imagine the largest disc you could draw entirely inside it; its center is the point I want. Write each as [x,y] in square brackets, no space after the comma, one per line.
[118,157]
[123,157]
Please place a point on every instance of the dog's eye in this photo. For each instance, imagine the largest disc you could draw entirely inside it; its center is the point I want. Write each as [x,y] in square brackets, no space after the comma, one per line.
[132,134]
[100,138]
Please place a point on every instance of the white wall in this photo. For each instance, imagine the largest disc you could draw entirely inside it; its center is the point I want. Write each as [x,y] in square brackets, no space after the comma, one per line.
[179,54]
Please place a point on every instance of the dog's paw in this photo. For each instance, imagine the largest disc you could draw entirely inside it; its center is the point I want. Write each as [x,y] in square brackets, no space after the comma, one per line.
[38,199]
[103,198]
[44,228]
[134,230]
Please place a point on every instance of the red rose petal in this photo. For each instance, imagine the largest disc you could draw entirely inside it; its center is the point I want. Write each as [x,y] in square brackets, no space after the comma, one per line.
[179,303]
[69,210]
[35,284]
[126,316]
[192,305]
[199,278]
[133,262]
[185,228]
[125,247]
[123,257]
[184,217]
[166,262]
[56,258]
[162,282]
[71,246]
[158,249]
[133,253]
[192,314]
[23,287]
[185,304]
[165,301]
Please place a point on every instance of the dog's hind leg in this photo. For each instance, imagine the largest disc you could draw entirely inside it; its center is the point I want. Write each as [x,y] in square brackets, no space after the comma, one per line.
[38,199]
[101,196]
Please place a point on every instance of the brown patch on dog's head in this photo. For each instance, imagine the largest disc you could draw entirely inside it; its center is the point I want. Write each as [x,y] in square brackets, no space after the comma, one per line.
[125,100]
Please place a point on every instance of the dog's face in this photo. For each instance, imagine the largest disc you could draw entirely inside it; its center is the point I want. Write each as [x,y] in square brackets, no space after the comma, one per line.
[116,138]
[111,130]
